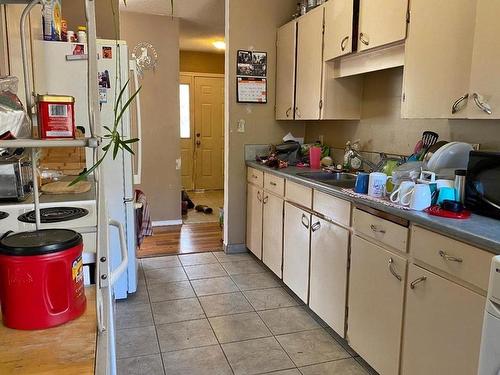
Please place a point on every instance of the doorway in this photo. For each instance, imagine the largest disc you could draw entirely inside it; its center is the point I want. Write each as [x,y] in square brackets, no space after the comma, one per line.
[202,143]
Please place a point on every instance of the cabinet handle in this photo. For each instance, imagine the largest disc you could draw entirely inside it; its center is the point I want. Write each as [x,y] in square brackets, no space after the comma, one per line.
[364,39]
[343,43]
[297,112]
[376,229]
[254,176]
[266,198]
[315,226]
[483,106]
[414,283]
[393,271]
[450,258]
[259,198]
[305,221]
[272,183]
[288,112]
[456,104]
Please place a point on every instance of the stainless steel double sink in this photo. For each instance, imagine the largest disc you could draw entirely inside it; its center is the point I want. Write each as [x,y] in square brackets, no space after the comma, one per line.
[338,179]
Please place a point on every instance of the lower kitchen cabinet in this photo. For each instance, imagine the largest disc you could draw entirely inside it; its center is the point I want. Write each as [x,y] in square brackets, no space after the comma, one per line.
[443,323]
[272,233]
[328,280]
[254,220]
[376,298]
[296,235]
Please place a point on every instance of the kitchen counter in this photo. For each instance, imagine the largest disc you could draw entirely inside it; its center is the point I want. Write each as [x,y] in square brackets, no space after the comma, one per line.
[57,198]
[478,230]
[66,349]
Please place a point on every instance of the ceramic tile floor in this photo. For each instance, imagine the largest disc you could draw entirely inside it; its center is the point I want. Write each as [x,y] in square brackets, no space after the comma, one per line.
[218,314]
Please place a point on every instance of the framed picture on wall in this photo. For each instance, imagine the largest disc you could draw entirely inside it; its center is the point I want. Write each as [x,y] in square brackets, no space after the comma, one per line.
[251,64]
[251,90]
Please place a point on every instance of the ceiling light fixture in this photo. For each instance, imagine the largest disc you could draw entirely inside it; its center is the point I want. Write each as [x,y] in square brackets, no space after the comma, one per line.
[219,44]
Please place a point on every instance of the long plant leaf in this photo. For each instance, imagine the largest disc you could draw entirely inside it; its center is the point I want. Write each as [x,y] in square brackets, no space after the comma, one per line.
[127,104]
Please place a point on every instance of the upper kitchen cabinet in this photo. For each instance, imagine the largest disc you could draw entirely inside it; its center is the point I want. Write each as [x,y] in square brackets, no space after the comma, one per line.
[484,84]
[286,43]
[451,67]
[339,16]
[381,22]
[309,65]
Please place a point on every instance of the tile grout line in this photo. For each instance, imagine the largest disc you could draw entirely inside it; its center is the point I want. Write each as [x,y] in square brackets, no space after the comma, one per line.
[154,320]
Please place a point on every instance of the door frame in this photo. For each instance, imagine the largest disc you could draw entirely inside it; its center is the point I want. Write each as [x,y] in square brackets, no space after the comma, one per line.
[191,77]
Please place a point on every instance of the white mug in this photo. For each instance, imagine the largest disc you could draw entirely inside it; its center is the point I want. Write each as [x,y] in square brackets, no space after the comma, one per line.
[377,184]
[445,183]
[419,197]
[402,190]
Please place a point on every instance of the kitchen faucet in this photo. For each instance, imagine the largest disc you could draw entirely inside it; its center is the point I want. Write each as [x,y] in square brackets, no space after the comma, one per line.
[352,153]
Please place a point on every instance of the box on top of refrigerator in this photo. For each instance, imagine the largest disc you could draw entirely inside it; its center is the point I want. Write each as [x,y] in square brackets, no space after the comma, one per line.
[52,20]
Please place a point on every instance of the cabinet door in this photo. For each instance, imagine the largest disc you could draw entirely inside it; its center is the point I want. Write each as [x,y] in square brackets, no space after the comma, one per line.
[296,250]
[328,281]
[376,296]
[338,28]
[485,72]
[309,65]
[443,323]
[286,44]
[272,233]
[254,220]
[438,58]
[381,22]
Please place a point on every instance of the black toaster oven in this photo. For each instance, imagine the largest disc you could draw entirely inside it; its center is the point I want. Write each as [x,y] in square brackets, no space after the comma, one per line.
[482,186]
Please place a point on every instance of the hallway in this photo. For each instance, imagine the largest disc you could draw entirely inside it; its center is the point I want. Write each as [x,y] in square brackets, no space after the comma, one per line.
[217,314]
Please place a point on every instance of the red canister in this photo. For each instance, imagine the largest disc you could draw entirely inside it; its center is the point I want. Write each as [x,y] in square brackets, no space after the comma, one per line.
[41,278]
[56,116]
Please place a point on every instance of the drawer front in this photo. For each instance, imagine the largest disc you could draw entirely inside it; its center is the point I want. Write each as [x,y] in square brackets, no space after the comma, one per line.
[299,194]
[461,260]
[274,184]
[382,230]
[332,207]
[255,177]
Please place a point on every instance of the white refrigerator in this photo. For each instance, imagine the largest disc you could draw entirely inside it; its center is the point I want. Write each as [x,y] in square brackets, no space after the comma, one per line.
[61,68]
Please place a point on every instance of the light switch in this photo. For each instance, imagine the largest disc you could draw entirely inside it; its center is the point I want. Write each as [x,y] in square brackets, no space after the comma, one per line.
[241,126]
[178,164]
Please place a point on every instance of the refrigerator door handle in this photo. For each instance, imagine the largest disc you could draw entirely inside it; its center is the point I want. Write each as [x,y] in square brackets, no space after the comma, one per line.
[122,267]
[138,175]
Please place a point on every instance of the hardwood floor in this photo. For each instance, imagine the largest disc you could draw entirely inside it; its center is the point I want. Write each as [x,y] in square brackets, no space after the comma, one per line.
[182,239]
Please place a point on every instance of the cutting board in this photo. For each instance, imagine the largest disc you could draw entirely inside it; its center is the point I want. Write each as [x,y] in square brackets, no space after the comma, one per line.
[62,187]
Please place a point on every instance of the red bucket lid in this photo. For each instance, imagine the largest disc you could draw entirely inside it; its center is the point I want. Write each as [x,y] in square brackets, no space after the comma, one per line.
[40,242]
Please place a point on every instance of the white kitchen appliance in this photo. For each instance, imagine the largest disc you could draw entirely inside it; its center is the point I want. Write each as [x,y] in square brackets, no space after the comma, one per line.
[489,359]
[61,68]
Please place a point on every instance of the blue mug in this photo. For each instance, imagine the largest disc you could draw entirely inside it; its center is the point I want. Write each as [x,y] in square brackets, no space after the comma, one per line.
[361,186]
[446,194]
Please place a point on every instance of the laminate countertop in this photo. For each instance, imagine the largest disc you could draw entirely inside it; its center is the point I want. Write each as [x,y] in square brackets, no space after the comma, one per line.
[478,230]
[66,349]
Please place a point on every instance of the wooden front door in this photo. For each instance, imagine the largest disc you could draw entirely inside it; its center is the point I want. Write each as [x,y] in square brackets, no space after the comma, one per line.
[209,132]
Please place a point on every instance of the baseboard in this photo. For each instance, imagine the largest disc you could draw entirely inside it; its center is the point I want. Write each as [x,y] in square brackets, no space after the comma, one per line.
[235,248]
[166,223]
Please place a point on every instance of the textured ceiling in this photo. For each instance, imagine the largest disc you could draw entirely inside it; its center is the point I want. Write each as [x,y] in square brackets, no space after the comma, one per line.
[201,21]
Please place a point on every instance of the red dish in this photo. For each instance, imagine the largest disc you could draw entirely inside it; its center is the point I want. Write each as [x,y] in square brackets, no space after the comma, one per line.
[438,211]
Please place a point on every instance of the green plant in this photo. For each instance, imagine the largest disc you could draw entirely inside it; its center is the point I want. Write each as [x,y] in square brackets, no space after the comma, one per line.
[116,141]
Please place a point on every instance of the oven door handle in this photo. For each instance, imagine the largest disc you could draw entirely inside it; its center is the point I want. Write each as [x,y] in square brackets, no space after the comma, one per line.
[122,267]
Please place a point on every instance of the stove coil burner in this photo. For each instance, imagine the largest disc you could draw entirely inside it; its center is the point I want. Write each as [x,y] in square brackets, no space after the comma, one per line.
[54,215]
[3,215]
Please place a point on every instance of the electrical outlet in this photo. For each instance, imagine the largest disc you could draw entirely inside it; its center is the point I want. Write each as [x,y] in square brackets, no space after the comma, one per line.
[476,146]
[241,126]
[321,138]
